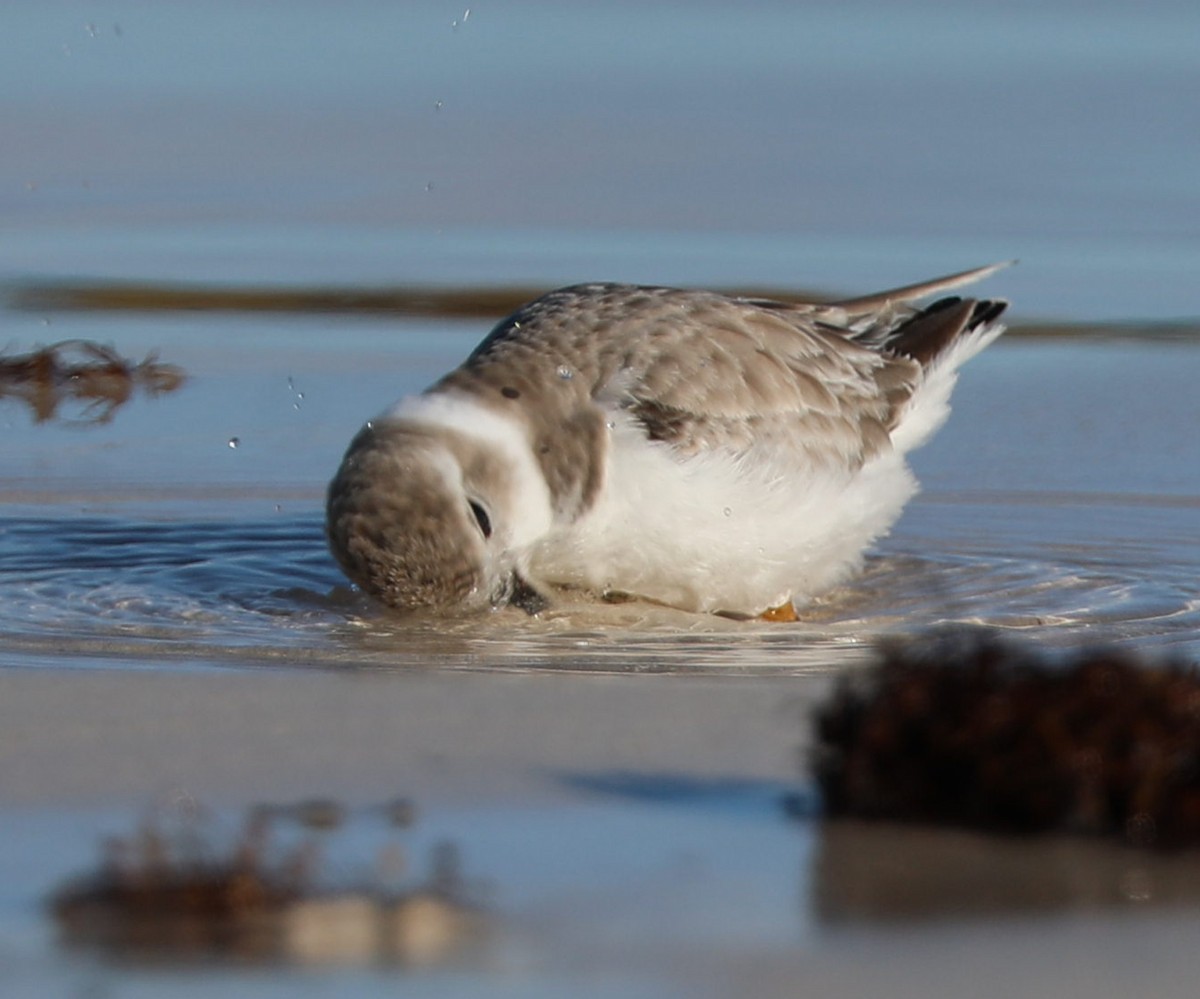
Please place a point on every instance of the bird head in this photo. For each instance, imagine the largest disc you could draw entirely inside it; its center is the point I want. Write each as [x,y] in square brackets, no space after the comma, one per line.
[421,517]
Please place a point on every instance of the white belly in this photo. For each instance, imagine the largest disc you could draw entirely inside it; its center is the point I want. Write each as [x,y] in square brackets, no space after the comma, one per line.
[710,533]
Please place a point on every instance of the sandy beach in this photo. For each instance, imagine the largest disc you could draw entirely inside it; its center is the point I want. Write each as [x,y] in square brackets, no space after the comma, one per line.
[93,738]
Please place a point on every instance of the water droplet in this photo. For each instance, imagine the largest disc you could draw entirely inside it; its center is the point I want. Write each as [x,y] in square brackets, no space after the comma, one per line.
[611,424]
[234,442]
[429,186]
[91,29]
[728,512]
[437,105]
[565,373]
[299,395]
[370,424]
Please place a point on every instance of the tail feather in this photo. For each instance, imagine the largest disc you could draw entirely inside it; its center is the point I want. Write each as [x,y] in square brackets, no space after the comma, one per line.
[933,330]
[988,312]
[941,342]
[930,331]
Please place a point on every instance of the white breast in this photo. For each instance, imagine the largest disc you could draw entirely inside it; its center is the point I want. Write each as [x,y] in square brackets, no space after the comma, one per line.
[715,533]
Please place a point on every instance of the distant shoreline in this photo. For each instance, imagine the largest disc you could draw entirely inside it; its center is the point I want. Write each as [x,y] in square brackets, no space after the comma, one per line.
[434,301]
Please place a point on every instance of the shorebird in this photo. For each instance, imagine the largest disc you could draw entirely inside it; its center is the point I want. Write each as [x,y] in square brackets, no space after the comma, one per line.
[707,452]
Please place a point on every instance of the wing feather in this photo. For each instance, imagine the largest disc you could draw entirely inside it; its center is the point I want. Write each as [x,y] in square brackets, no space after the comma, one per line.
[702,372]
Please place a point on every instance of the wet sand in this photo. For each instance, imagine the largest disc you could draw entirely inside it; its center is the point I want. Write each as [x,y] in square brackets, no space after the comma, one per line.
[856,915]
[96,737]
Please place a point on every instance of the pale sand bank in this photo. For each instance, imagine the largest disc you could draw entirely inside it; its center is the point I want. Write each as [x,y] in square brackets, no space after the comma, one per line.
[104,737]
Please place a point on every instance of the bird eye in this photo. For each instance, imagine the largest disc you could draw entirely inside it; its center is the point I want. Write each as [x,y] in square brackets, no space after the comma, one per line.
[481,518]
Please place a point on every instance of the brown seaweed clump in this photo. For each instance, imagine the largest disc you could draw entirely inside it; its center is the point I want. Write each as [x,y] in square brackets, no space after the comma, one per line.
[89,374]
[172,895]
[968,729]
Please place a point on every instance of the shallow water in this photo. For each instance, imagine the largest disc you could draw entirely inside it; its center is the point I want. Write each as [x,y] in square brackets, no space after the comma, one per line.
[841,146]
[832,147]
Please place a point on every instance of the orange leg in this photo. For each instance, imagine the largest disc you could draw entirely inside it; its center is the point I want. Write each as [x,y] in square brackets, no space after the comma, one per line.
[784,612]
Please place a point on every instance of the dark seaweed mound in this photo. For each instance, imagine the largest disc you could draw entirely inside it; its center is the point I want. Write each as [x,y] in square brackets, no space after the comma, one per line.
[969,729]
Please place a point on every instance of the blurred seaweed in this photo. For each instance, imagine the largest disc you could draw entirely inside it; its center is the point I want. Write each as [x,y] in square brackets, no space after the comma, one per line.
[90,375]
[967,728]
[172,892]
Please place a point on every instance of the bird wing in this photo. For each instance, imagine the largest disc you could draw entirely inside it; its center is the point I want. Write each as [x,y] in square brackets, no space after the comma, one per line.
[922,289]
[701,372]
[826,381]
[706,372]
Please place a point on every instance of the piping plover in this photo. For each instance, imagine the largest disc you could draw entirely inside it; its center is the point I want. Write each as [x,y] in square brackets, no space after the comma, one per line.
[731,455]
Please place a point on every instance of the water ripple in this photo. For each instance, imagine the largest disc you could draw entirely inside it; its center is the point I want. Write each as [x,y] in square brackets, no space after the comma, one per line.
[266,591]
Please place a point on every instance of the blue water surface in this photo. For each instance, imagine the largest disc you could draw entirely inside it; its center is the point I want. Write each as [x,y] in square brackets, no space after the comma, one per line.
[840,146]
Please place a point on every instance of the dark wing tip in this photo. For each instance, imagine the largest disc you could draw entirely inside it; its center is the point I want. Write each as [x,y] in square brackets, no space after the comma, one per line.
[987,311]
[935,328]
